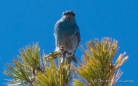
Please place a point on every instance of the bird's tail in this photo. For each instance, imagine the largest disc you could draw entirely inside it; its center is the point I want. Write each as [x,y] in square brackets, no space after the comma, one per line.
[73,57]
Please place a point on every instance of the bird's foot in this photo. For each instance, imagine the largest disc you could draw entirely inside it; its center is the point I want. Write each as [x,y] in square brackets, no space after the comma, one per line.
[63,51]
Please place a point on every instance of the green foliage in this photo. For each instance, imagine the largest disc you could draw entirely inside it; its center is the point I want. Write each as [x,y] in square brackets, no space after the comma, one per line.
[78,83]
[27,69]
[54,75]
[25,66]
[97,67]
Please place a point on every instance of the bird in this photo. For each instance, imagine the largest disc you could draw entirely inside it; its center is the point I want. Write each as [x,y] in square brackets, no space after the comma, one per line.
[67,35]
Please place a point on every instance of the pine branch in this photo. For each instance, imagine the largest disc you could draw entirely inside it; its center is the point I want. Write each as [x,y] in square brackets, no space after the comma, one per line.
[97,68]
[24,68]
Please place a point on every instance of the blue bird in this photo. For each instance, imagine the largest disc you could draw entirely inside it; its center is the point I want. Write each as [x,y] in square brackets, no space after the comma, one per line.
[67,34]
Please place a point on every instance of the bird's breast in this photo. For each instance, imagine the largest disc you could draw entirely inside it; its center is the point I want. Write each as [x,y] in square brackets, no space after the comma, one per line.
[66,30]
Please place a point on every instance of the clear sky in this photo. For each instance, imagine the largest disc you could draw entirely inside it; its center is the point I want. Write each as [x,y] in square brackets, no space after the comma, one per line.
[24,22]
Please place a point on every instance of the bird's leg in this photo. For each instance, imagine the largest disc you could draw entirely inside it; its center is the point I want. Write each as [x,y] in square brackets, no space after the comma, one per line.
[63,54]
[68,53]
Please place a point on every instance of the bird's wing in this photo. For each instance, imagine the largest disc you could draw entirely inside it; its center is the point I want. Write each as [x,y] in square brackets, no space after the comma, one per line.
[56,28]
[76,33]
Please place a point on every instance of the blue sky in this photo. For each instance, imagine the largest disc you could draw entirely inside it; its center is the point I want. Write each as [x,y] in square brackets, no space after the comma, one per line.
[24,22]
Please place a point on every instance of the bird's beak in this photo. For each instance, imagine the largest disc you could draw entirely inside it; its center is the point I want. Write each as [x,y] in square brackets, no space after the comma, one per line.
[68,17]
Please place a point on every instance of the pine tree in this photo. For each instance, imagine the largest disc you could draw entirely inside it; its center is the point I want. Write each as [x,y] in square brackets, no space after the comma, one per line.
[95,69]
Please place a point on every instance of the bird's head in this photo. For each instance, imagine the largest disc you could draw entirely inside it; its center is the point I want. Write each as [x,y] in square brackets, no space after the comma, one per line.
[68,16]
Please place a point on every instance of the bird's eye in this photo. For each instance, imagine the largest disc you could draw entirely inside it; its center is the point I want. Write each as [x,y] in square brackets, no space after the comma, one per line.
[73,14]
[65,14]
